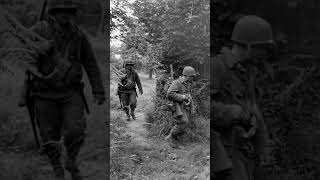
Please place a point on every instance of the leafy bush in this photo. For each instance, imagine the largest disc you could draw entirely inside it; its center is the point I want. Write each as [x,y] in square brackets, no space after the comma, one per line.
[161,121]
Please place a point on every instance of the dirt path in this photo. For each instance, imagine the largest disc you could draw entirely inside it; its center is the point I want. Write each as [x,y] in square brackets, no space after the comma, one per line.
[136,128]
[156,160]
[138,132]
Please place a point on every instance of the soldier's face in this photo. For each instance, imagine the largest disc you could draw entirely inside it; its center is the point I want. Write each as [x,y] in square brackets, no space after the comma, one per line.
[129,67]
[258,52]
[188,78]
[244,53]
[240,51]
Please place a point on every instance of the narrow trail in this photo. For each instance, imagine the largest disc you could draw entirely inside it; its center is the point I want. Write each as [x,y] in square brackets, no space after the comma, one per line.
[136,128]
[156,159]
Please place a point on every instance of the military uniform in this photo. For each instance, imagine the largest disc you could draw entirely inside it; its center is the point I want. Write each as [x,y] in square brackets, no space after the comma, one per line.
[230,85]
[59,108]
[127,91]
[235,94]
[177,93]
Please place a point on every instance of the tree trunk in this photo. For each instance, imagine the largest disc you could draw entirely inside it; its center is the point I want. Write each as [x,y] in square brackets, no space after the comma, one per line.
[150,73]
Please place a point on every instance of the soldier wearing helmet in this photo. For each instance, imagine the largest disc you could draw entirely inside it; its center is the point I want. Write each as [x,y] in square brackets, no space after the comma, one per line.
[59,105]
[240,132]
[127,89]
[180,94]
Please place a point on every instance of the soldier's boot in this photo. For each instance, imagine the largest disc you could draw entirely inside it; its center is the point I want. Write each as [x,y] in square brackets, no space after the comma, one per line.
[172,140]
[132,108]
[53,151]
[73,145]
[126,110]
[132,114]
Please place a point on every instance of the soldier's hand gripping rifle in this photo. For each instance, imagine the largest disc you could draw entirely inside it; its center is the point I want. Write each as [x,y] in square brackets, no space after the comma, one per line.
[250,105]
[189,97]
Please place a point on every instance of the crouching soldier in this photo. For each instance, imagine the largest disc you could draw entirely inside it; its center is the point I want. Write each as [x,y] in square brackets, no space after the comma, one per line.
[127,89]
[235,92]
[180,93]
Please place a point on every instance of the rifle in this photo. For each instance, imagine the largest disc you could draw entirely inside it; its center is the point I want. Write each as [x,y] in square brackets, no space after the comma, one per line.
[26,100]
[120,101]
[30,107]
[171,71]
[250,106]
[86,106]
[42,10]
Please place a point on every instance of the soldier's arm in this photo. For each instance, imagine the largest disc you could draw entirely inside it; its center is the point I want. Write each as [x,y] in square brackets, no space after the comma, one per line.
[123,71]
[29,64]
[138,82]
[173,92]
[90,65]
[224,115]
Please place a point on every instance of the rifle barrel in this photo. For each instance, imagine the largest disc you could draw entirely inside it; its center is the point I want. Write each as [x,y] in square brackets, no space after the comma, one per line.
[42,10]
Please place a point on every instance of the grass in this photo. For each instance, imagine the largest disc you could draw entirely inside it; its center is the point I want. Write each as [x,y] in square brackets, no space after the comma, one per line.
[132,161]
[120,147]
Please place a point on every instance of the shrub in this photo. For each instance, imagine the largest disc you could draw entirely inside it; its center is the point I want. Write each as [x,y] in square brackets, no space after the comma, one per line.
[161,121]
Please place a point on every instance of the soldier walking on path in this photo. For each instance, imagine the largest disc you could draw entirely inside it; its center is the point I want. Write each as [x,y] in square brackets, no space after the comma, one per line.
[180,93]
[57,97]
[240,134]
[127,89]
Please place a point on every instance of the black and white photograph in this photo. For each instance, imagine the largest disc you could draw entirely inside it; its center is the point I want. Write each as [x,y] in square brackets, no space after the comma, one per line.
[264,89]
[159,89]
[53,89]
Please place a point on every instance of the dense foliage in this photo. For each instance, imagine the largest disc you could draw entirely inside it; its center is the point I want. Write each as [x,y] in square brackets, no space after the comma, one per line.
[163,31]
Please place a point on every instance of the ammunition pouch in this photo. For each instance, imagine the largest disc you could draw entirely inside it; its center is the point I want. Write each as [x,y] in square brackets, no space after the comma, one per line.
[130,84]
[63,75]
[74,74]
[60,70]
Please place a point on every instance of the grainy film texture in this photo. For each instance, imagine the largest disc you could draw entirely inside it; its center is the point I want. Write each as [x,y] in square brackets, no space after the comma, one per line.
[160,89]
[53,83]
[264,89]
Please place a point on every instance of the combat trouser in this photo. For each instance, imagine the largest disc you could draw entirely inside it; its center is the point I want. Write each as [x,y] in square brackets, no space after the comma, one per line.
[179,127]
[61,117]
[129,102]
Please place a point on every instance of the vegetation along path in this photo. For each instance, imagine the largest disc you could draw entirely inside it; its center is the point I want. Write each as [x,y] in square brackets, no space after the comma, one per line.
[150,156]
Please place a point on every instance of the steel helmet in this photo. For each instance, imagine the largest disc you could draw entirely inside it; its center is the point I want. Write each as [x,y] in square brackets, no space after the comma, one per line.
[188,71]
[62,4]
[252,30]
[129,62]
